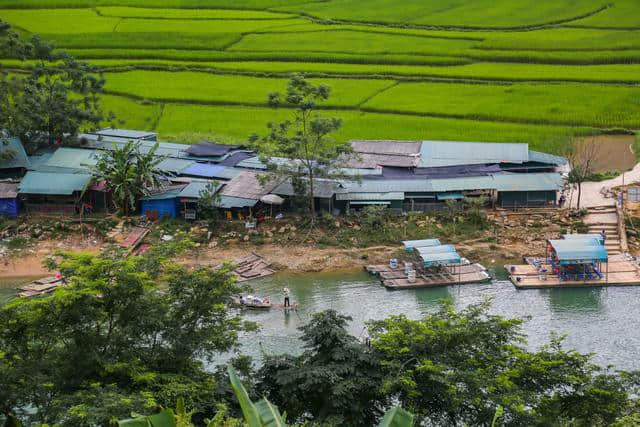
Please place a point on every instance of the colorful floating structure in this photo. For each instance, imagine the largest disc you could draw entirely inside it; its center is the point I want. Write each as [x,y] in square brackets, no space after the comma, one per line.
[576,260]
[435,265]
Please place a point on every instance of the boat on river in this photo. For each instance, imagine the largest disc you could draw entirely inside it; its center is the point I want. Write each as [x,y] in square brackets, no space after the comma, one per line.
[251,301]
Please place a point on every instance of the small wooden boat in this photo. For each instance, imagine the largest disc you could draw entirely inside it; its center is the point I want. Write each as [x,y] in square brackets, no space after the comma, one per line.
[260,303]
[39,287]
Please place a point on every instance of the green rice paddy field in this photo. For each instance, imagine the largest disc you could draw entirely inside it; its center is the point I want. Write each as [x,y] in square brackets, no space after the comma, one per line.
[538,71]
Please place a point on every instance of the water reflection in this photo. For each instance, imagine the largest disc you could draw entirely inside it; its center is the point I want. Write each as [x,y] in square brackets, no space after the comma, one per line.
[575,301]
[431,299]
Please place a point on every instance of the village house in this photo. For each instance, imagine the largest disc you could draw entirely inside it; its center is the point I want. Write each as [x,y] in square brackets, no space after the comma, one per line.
[402,175]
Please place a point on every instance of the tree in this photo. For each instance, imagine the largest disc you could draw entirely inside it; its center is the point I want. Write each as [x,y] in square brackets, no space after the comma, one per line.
[582,155]
[305,139]
[129,174]
[458,368]
[336,380]
[208,203]
[124,334]
[54,100]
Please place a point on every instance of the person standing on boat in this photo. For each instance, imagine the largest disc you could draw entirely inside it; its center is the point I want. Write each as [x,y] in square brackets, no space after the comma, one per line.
[286,297]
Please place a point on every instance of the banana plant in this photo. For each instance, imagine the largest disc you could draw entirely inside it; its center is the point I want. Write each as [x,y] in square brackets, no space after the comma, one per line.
[259,414]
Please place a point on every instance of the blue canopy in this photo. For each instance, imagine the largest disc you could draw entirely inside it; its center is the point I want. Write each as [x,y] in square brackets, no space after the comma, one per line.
[436,249]
[410,245]
[442,258]
[579,251]
[580,236]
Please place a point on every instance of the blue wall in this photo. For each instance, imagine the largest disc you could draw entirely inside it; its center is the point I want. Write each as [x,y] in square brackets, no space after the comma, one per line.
[9,208]
[165,207]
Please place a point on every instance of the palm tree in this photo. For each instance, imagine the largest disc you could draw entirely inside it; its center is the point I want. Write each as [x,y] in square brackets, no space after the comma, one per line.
[128,174]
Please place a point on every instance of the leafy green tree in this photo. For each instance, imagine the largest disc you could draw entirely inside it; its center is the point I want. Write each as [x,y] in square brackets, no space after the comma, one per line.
[458,368]
[129,174]
[208,203]
[305,139]
[121,336]
[51,103]
[336,380]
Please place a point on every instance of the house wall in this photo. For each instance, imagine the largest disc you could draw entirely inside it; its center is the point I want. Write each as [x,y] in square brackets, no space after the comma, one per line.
[163,207]
[510,199]
[9,208]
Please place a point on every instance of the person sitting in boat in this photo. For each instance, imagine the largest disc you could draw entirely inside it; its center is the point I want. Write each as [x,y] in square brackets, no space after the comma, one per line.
[242,300]
[266,300]
[257,300]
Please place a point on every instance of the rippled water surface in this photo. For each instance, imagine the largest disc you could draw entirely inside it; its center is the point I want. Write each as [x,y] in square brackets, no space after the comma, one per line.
[604,321]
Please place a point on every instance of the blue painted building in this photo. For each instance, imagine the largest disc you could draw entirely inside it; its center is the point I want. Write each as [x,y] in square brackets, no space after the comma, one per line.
[161,205]
[9,202]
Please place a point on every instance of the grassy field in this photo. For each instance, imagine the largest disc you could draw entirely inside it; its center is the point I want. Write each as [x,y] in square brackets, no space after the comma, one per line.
[540,71]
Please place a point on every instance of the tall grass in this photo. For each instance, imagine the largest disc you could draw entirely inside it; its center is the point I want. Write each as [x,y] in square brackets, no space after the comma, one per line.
[452,13]
[531,103]
[162,4]
[227,89]
[235,124]
[197,14]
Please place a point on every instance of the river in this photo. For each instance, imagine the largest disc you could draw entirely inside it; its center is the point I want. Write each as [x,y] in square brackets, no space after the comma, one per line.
[603,321]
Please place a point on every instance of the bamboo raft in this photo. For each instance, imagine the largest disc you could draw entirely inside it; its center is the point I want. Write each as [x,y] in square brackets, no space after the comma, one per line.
[40,287]
[621,272]
[253,266]
[398,279]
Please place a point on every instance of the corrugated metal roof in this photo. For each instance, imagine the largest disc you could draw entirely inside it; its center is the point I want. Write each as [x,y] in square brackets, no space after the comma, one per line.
[13,147]
[537,156]
[405,148]
[377,171]
[194,188]
[210,149]
[73,158]
[169,193]
[53,183]
[383,186]
[322,188]
[577,251]
[393,195]
[409,245]
[126,133]
[588,236]
[166,149]
[227,202]
[8,190]
[436,249]
[528,181]
[247,186]
[449,153]
[208,170]
[440,258]
[174,165]
[256,163]
[463,184]
[366,160]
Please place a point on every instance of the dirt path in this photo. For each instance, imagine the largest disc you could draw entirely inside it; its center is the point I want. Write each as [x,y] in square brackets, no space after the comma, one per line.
[593,193]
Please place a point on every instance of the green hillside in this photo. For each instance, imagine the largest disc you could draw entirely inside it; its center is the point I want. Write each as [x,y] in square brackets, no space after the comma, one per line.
[538,71]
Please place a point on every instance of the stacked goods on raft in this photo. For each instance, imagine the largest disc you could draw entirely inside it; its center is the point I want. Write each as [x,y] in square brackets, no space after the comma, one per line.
[436,265]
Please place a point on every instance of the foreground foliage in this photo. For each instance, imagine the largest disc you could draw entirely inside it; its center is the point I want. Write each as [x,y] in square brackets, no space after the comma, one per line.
[124,335]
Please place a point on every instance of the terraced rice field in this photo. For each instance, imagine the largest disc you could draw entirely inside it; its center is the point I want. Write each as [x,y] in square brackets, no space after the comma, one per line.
[539,71]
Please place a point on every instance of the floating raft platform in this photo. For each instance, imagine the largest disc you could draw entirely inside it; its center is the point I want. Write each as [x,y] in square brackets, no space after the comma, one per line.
[622,272]
[397,278]
[40,287]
